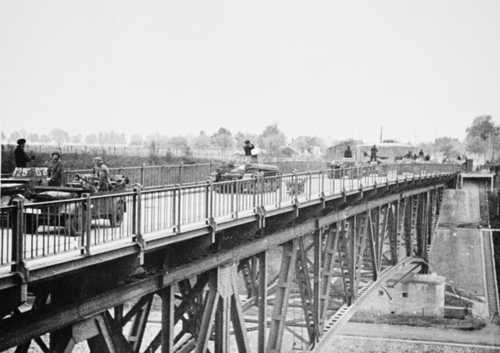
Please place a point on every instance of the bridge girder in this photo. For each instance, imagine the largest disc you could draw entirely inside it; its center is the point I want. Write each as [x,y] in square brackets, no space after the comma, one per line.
[324,263]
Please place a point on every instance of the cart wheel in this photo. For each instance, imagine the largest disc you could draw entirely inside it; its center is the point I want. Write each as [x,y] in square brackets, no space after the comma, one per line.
[71,225]
[116,219]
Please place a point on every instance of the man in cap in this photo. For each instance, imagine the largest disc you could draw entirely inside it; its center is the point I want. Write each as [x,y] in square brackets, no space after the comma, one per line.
[248,147]
[20,156]
[101,171]
[55,170]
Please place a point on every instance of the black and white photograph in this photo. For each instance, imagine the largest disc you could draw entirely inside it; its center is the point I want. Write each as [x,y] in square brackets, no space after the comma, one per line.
[231,176]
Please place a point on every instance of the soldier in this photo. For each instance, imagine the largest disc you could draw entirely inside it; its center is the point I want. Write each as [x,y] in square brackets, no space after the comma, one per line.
[373,154]
[20,156]
[348,152]
[55,170]
[248,147]
[101,172]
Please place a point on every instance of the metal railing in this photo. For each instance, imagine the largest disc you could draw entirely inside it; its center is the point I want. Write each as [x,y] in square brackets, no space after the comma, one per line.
[162,175]
[74,226]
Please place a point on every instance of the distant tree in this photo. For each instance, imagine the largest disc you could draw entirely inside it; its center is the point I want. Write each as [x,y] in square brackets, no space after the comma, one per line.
[178,144]
[76,138]
[59,135]
[91,139]
[44,138]
[272,140]
[450,147]
[202,141]
[306,144]
[223,139]
[241,137]
[136,139]
[482,136]
[33,137]
[14,135]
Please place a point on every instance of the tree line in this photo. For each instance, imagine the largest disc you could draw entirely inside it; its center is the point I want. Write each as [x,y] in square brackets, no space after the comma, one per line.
[482,139]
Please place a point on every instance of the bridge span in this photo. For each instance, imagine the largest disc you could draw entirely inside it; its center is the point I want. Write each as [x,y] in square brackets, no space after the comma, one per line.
[261,265]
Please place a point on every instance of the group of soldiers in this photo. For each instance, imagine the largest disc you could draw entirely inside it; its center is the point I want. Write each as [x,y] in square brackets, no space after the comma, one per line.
[55,167]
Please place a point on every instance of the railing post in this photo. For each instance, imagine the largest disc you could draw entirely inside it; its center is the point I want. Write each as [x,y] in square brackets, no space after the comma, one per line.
[142,174]
[181,172]
[138,238]
[87,221]
[207,200]
[309,193]
[179,206]
[18,236]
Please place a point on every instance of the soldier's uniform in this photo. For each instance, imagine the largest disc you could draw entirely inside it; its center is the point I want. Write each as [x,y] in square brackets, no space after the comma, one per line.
[55,172]
[101,171]
[20,156]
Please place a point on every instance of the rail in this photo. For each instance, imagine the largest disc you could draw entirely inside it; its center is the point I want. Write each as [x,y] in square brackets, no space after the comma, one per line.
[30,231]
[171,174]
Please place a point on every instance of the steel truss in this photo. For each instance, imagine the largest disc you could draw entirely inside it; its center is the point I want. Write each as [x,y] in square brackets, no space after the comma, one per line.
[282,298]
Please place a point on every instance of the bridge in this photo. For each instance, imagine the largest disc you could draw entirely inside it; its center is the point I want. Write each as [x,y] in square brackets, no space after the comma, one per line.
[248,265]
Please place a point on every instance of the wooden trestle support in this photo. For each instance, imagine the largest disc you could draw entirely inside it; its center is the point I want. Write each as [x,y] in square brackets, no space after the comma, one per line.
[281,299]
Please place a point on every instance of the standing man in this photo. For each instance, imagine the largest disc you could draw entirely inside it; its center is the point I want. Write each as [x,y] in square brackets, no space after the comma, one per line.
[348,152]
[20,156]
[55,170]
[373,154]
[101,172]
[248,147]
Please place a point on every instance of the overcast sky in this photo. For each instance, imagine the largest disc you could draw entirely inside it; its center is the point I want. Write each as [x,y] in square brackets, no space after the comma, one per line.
[420,69]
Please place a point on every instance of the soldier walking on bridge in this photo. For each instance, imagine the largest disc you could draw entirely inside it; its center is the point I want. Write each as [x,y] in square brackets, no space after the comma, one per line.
[101,172]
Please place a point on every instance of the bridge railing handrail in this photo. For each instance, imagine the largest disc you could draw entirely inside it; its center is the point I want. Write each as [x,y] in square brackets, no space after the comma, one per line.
[31,230]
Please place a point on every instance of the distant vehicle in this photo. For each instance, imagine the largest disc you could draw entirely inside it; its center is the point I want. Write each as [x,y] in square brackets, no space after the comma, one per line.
[248,173]
[66,214]
[340,168]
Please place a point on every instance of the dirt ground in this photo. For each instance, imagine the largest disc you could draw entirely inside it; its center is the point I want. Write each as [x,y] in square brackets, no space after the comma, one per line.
[344,344]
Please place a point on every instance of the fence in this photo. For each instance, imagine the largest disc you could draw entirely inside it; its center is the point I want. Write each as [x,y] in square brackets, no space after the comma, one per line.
[34,230]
